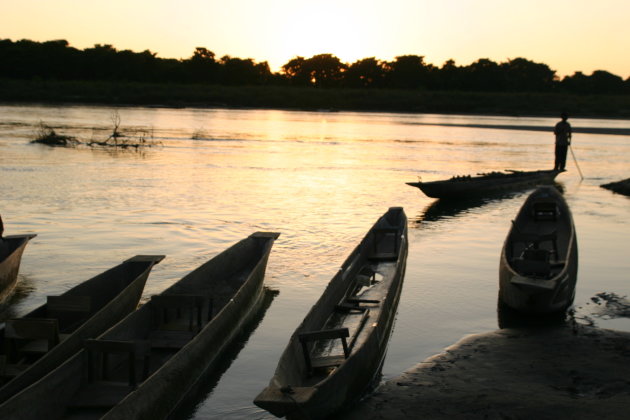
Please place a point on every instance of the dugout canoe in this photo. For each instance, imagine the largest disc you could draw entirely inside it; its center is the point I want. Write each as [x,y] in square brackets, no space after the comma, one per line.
[11,250]
[539,259]
[144,366]
[478,186]
[38,342]
[336,353]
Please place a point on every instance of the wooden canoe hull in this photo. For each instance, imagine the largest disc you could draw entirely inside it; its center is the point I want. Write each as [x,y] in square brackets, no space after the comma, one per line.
[353,377]
[161,392]
[114,293]
[170,378]
[468,187]
[10,263]
[540,293]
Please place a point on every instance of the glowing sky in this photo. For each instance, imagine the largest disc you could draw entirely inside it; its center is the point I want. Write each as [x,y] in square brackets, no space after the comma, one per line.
[567,35]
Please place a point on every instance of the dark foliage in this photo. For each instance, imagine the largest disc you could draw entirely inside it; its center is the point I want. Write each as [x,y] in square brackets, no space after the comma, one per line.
[58,61]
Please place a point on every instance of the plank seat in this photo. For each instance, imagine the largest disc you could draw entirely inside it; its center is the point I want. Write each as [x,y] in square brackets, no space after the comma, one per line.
[70,310]
[337,333]
[101,395]
[25,336]
[98,352]
[545,211]
[164,339]
[385,244]
[68,303]
[170,310]
[354,304]
[359,300]
[533,240]
[11,370]
[327,361]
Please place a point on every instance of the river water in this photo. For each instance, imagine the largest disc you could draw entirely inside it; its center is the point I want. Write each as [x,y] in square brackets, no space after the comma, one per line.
[214,176]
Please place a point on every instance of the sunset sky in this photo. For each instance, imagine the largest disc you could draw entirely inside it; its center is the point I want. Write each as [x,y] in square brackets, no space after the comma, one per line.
[567,35]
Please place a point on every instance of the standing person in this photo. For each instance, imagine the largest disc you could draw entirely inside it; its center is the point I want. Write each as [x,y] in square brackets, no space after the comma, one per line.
[563,140]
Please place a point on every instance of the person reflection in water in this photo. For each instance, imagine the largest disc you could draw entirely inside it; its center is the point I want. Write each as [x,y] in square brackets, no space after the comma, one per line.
[563,140]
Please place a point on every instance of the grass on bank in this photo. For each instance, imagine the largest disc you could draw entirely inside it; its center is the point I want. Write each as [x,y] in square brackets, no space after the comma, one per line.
[276,97]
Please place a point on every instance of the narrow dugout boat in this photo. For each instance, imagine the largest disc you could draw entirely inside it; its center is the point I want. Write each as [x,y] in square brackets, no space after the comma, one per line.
[477,186]
[539,259]
[336,353]
[143,367]
[38,342]
[11,250]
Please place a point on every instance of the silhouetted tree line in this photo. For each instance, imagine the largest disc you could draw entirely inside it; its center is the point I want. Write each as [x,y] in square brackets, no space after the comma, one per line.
[57,60]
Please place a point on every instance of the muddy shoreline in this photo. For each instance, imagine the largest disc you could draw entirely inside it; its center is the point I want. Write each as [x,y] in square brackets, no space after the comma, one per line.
[562,372]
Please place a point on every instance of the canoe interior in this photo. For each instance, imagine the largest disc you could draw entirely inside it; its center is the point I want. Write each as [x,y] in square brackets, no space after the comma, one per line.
[538,243]
[36,343]
[358,307]
[143,366]
[539,256]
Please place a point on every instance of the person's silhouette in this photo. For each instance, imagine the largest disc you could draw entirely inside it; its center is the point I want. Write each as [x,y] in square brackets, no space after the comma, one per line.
[563,140]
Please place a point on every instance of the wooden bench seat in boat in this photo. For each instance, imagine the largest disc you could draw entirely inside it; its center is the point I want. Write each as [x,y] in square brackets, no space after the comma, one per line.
[102,391]
[543,211]
[327,361]
[178,318]
[70,310]
[10,370]
[98,352]
[385,244]
[533,240]
[30,336]
[56,305]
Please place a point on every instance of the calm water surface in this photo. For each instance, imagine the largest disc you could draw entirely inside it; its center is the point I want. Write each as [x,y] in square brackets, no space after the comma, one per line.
[321,179]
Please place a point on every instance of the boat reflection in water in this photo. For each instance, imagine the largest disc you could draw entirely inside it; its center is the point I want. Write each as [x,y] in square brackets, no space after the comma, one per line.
[510,318]
[447,209]
[204,388]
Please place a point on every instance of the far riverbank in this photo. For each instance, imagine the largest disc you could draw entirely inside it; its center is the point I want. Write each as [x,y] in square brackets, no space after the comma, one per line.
[313,99]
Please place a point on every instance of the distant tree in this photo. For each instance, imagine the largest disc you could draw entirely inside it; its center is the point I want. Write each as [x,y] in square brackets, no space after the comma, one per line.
[237,71]
[202,66]
[368,72]
[57,60]
[599,81]
[408,72]
[449,76]
[322,70]
[524,75]
[483,75]
[325,70]
[605,82]
[295,71]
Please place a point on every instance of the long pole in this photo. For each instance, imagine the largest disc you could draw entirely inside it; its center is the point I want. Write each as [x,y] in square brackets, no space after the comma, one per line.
[576,163]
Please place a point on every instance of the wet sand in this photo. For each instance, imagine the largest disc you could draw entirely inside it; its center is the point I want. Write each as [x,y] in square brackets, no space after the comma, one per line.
[561,372]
